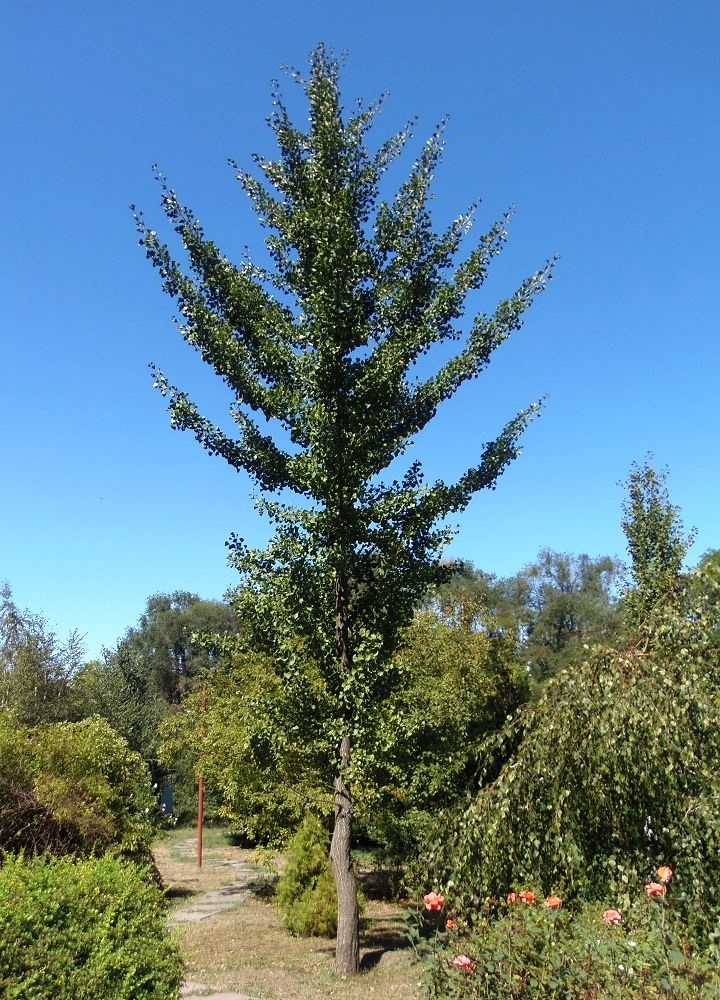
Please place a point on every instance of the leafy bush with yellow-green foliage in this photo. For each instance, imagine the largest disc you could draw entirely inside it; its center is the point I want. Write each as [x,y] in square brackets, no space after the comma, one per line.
[72,788]
[83,929]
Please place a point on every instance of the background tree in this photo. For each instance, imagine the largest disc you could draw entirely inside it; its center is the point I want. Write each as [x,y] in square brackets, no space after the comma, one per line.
[549,609]
[704,587]
[656,542]
[36,668]
[120,693]
[324,346]
[163,643]
[569,601]
[137,683]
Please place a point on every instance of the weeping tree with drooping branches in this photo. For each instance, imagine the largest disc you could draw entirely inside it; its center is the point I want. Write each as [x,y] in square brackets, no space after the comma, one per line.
[613,769]
[320,350]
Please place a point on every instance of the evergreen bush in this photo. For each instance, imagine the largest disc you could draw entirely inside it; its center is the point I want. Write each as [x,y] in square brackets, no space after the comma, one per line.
[305,894]
[91,929]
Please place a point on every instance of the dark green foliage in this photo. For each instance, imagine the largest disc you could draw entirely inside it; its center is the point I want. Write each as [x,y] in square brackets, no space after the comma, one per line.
[362,291]
[72,788]
[305,895]
[83,930]
[569,601]
[460,681]
[320,352]
[163,645]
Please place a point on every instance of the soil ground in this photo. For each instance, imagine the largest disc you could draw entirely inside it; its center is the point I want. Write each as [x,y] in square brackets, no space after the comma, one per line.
[244,948]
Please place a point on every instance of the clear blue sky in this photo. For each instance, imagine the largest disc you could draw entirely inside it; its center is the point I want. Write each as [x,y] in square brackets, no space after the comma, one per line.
[598,121]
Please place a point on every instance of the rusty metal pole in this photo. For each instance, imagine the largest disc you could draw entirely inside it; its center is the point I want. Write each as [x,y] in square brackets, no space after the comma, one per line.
[201,782]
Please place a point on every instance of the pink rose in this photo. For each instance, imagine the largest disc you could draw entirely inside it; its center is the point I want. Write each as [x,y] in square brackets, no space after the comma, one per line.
[655,890]
[512,898]
[434,902]
[612,917]
[463,962]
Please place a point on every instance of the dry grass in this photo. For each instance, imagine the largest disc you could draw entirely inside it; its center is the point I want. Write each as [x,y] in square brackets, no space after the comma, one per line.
[247,949]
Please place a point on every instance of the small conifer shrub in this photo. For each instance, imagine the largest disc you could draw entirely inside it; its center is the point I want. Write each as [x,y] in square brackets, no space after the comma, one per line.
[305,895]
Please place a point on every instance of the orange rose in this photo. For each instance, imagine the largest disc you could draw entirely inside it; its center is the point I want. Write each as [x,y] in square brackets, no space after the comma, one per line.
[527,897]
[612,917]
[433,902]
[450,924]
[553,902]
[664,873]
[655,890]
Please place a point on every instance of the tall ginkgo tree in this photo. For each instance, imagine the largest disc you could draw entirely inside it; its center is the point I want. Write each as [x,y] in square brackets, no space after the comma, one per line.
[321,352]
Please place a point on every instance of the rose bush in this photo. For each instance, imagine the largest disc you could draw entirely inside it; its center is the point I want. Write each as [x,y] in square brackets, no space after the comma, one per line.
[540,951]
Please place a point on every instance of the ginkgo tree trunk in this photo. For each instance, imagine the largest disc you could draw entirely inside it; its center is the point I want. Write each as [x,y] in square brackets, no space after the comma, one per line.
[320,350]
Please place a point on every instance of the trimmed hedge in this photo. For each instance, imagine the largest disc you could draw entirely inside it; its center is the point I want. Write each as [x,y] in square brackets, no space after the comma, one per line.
[83,930]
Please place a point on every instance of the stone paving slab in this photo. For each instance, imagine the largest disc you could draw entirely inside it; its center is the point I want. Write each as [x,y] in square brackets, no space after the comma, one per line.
[209,904]
[191,990]
[221,900]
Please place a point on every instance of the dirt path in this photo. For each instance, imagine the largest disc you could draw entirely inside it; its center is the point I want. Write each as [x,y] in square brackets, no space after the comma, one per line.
[232,881]
[235,948]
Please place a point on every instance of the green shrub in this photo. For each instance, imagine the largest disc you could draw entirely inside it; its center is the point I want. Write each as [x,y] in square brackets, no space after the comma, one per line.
[305,896]
[90,929]
[72,788]
[528,951]
[267,745]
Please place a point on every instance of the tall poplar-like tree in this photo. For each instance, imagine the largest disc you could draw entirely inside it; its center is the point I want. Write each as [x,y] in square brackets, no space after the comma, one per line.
[656,543]
[320,351]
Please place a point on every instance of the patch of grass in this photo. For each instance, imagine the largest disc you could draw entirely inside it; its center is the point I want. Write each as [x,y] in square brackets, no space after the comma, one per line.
[248,950]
